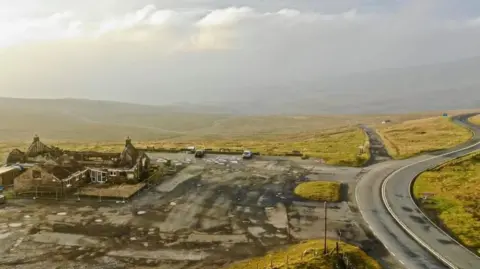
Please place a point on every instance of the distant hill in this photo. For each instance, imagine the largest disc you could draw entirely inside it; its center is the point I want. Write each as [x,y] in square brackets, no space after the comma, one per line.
[78,119]
[441,86]
[340,101]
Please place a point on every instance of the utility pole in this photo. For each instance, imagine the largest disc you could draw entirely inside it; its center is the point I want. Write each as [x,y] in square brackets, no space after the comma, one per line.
[325,236]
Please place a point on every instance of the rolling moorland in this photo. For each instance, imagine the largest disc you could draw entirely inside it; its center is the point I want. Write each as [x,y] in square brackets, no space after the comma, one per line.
[455,204]
[475,119]
[414,137]
[102,125]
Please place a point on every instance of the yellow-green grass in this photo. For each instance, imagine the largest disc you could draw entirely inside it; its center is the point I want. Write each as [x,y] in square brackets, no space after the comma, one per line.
[475,119]
[319,190]
[414,137]
[455,203]
[294,252]
[337,146]
[9,194]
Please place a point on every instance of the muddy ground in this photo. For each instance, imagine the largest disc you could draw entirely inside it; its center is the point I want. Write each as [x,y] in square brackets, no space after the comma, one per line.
[210,213]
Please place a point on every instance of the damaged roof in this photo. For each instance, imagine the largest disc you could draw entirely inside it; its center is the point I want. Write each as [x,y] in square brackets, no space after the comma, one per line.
[61,172]
[37,148]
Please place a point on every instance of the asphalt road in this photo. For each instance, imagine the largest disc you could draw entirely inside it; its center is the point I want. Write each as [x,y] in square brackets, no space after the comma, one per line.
[405,246]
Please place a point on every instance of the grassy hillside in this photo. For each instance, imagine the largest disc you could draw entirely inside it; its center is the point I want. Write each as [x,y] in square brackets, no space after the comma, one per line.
[475,119]
[414,137]
[294,252]
[456,202]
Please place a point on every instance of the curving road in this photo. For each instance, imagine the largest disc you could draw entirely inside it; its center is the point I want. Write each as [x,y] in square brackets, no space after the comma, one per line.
[387,207]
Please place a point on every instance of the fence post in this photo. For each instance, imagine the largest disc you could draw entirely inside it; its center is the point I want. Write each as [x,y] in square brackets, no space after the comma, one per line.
[325,250]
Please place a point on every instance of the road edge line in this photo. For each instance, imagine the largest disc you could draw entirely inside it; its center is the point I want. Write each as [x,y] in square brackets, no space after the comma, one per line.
[395,217]
[431,222]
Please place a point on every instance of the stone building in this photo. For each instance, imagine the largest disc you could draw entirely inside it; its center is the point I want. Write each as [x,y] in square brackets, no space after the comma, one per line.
[58,171]
[50,178]
[8,174]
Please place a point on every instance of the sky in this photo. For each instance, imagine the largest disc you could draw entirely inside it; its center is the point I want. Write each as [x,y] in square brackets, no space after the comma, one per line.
[164,51]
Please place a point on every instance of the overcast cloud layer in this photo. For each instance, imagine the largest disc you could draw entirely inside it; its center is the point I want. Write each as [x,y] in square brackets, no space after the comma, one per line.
[158,52]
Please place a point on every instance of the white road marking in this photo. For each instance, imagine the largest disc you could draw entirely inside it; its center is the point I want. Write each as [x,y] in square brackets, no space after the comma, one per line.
[388,207]
[384,199]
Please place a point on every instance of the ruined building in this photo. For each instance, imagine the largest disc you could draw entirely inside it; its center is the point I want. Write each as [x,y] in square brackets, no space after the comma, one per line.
[51,167]
[37,152]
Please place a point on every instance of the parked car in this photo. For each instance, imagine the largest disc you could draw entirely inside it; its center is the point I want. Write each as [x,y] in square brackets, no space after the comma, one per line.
[199,153]
[247,154]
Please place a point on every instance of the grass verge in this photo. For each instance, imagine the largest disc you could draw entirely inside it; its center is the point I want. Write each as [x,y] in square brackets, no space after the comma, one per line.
[319,190]
[9,194]
[414,137]
[475,119]
[455,205]
[294,252]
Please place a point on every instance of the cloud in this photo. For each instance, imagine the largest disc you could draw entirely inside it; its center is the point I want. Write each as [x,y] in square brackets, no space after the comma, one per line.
[56,26]
[205,26]
[225,17]
[150,53]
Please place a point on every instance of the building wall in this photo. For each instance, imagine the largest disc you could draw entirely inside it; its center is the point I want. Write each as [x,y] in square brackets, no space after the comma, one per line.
[26,181]
[15,156]
[6,178]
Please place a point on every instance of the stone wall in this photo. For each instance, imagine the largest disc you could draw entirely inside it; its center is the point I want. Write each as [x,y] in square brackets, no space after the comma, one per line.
[26,182]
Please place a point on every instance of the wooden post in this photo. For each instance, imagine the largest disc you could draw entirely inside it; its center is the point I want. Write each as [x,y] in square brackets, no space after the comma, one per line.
[325,236]
[288,232]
